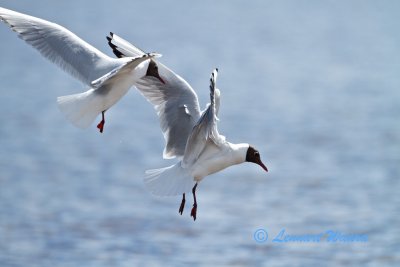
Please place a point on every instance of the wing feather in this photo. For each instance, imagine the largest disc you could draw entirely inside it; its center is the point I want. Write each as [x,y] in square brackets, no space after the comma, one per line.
[175,101]
[122,48]
[205,129]
[60,46]
[177,107]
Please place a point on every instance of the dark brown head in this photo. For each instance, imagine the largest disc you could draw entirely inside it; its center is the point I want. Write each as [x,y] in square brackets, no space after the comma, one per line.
[254,156]
[152,70]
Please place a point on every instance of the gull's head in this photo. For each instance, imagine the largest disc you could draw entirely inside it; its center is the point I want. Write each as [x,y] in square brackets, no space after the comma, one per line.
[253,155]
[152,70]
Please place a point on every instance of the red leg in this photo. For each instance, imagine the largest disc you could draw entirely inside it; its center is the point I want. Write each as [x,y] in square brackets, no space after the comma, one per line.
[182,204]
[193,213]
[100,126]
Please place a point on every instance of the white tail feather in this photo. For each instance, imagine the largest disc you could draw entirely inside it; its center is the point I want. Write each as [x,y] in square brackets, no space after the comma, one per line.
[169,181]
[81,109]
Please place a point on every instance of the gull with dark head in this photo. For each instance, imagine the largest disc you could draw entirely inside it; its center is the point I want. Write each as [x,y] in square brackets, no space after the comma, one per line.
[108,79]
[191,135]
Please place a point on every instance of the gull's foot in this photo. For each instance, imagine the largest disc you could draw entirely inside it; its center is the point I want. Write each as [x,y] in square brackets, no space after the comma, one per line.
[100,126]
[182,204]
[193,213]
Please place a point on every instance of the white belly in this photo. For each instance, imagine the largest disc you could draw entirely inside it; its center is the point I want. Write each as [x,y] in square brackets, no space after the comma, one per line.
[214,160]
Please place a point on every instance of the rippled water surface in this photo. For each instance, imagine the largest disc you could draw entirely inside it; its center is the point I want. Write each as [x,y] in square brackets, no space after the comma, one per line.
[314,85]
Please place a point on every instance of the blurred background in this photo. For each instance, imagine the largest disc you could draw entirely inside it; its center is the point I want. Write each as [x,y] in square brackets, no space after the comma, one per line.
[314,85]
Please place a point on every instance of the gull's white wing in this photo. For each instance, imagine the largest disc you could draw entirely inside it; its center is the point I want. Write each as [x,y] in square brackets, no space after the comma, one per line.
[60,46]
[175,101]
[177,107]
[205,129]
[178,179]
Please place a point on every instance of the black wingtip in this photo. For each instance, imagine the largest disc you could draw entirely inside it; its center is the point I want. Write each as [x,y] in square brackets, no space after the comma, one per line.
[112,34]
[118,54]
[114,48]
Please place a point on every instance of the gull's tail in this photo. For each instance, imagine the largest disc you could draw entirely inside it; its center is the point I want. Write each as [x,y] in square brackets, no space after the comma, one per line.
[169,181]
[81,109]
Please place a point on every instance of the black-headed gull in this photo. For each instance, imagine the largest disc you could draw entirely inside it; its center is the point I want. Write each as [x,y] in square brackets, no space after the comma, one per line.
[108,78]
[189,133]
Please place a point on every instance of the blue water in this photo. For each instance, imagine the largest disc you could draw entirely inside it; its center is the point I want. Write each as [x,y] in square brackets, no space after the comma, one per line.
[314,85]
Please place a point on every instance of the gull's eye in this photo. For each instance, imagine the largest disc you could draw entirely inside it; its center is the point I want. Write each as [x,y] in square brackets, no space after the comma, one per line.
[256,154]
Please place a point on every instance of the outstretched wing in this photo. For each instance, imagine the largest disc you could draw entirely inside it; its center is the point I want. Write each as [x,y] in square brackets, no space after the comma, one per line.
[206,128]
[177,107]
[60,46]
[175,101]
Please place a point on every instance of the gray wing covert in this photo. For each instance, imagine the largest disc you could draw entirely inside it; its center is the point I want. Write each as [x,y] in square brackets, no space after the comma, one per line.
[177,107]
